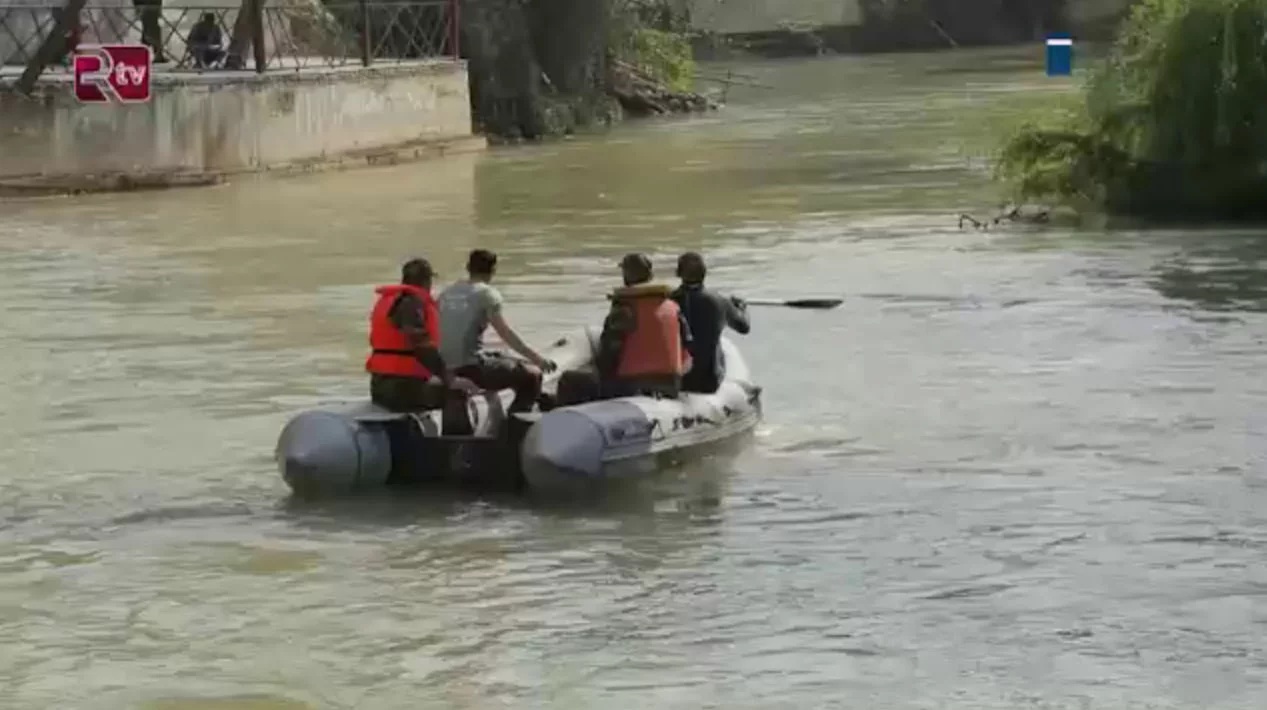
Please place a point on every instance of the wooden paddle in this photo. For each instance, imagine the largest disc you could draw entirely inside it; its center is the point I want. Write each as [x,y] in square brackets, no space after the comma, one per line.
[814,303]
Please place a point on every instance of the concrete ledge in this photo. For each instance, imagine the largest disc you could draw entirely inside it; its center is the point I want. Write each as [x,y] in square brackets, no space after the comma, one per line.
[127,181]
[55,80]
[199,128]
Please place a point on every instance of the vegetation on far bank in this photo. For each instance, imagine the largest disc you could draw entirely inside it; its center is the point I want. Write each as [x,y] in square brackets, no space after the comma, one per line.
[649,36]
[651,65]
[1173,124]
[551,67]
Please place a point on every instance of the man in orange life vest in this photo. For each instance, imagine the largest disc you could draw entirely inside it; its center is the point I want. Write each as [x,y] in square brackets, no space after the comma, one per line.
[406,370]
[643,346]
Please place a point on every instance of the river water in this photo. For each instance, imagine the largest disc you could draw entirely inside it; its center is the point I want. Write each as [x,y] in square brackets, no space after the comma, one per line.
[1018,468]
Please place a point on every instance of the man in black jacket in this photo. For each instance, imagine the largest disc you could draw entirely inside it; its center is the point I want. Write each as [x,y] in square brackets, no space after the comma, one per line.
[707,313]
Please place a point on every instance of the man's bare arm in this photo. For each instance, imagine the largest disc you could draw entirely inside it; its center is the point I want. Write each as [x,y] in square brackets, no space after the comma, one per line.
[512,339]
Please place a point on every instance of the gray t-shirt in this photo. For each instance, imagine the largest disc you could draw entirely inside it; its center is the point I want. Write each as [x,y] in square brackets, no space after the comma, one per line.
[465,309]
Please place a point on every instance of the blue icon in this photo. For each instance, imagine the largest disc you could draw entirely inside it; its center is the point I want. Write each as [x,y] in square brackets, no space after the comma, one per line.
[1059,55]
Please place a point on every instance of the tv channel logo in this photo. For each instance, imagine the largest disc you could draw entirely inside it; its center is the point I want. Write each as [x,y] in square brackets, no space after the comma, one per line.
[1059,55]
[106,73]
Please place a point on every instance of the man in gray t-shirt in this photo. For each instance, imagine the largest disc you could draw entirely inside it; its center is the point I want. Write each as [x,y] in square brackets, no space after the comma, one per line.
[467,308]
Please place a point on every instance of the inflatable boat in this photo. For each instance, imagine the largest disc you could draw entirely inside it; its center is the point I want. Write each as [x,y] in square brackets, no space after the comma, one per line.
[338,450]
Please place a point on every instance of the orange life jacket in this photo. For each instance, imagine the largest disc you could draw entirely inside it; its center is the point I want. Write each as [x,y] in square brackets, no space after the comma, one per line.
[390,350]
[654,348]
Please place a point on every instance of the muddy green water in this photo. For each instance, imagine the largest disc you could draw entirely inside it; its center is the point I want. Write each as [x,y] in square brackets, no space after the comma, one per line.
[1017,469]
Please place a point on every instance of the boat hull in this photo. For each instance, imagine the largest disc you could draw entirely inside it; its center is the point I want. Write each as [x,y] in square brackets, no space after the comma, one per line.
[597,443]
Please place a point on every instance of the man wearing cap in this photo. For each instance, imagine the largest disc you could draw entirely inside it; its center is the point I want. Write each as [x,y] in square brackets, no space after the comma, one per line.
[708,313]
[642,349]
[406,370]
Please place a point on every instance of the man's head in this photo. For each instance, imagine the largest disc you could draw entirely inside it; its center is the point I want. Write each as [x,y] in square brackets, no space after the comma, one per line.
[417,272]
[208,18]
[635,269]
[690,268]
[481,264]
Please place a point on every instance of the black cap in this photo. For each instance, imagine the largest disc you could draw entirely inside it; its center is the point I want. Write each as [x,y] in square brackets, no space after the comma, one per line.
[416,270]
[690,267]
[635,262]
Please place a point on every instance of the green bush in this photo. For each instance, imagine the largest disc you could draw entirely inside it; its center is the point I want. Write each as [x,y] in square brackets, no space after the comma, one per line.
[648,35]
[1174,122]
[664,56]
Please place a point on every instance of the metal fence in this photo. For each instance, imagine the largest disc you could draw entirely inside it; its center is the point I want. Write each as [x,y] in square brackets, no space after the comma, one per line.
[253,34]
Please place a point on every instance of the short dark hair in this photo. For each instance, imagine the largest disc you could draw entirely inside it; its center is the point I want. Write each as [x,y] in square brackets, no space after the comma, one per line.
[481,261]
[690,267]
[637,266]
[416,271]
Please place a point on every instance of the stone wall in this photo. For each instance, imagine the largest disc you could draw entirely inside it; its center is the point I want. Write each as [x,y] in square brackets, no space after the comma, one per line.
[224,122]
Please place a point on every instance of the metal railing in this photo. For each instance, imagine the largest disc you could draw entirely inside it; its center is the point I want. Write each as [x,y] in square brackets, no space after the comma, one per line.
[223,36]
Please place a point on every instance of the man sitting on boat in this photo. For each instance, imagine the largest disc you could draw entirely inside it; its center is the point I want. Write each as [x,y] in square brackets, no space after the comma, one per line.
[708,314]
[643,346]
[407,373]
[469,307]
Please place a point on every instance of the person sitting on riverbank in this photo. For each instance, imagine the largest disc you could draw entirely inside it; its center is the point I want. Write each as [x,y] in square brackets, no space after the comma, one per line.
[643,346]
[206,41]
[707,313]
[407,372]
[467,308]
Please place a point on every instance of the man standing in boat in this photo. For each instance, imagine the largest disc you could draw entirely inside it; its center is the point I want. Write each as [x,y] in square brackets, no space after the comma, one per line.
[467,308]
[407,372]
[708,313]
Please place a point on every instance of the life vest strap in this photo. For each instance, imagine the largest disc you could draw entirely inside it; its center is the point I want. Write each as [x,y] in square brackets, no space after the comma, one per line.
[407,353]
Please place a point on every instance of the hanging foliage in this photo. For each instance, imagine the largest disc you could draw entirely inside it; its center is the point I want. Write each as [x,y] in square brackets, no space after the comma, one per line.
[1173,123]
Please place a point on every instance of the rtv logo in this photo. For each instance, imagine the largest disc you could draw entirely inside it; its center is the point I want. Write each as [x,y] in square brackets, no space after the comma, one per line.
[113,72]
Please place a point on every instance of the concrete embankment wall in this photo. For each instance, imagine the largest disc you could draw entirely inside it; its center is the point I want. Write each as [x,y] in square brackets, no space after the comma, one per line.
[221,123]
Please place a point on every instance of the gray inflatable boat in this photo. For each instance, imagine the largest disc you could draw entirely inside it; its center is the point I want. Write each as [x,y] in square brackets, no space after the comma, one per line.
[339,450]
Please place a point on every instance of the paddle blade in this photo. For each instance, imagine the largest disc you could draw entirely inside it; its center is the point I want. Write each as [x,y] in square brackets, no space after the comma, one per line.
[815,303]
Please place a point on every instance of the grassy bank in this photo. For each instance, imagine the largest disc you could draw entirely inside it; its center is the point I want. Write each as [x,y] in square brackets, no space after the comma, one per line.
[1173,124]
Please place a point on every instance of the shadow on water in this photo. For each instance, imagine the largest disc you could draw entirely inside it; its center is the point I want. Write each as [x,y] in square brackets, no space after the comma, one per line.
[1227,272]
[691,494]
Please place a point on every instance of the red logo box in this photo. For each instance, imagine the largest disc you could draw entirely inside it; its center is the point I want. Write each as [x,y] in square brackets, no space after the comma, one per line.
[113,72]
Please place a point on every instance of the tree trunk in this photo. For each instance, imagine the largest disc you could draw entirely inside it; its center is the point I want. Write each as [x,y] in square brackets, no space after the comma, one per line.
[53,46]
[235,57]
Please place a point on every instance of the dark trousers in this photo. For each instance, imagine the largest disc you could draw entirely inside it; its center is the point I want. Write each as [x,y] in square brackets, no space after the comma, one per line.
[496,371]
[151,31]
[206,56]
[405,394]
[580,386]
[411,394]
